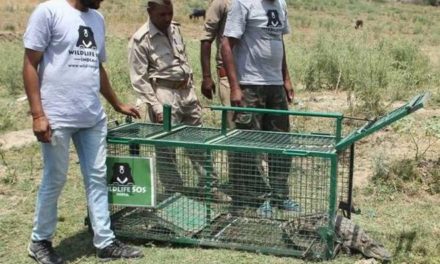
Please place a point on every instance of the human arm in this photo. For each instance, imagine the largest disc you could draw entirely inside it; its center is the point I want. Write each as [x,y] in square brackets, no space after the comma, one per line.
[235,27]
[208,86]
[109,94]
[288,87]
[228,44]
[139,77]
[212,30]
[31,80]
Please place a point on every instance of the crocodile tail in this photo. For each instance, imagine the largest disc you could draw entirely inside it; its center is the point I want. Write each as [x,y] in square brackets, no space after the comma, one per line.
[354,237]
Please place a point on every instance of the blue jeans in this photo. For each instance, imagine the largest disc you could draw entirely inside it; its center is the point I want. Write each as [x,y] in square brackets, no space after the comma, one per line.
[90,144]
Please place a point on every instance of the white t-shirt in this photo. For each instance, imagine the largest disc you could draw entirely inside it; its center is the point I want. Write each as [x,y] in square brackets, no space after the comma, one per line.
[260,26]
[73,43]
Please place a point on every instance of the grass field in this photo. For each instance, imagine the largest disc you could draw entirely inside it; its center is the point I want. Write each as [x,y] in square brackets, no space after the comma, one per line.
[334,68]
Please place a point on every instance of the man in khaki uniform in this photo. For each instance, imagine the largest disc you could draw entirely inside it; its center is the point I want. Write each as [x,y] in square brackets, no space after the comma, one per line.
[213,30]
[159,68]
[160,74]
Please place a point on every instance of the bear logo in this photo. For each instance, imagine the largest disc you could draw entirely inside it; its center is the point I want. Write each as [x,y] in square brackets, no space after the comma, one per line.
[122,174]
[86,38]
[273,18]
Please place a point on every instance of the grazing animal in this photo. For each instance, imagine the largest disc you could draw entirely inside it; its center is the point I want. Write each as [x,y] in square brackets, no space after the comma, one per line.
[196,13]
[359,24]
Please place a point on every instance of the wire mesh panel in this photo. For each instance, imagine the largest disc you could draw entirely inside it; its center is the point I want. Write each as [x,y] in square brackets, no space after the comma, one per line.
[283,141]
[345,181]
[264,191]
[273,196]
[262,201]
[192,135]
[135,130]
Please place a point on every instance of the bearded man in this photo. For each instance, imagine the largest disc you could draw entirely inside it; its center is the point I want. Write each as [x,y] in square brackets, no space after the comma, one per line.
[63,77]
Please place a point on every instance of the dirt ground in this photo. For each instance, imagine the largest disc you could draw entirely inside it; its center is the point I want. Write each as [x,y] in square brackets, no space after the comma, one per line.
[384,143]
[16,139]
[9,36]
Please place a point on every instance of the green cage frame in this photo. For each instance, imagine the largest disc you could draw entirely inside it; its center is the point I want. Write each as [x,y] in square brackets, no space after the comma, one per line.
[331,149]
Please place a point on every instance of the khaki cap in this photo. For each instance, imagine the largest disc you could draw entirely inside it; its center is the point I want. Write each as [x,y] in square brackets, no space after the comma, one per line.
[160,2]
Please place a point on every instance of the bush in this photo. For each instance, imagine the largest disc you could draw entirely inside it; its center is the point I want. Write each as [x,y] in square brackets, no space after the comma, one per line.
[407,175]
[10,68]
[6,118]
[386,70]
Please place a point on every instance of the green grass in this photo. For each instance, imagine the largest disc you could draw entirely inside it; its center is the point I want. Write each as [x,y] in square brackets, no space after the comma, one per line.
[13,114]
[411,230]
[379,64]
[393,57]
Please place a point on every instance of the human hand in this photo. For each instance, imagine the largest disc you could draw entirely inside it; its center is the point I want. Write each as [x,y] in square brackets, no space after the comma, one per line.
[208,87]
[128,110]
[158,117]
[288,88]
[42,129]
[236,96]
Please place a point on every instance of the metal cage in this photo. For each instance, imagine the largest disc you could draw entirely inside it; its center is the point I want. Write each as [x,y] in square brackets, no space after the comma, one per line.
[270,192]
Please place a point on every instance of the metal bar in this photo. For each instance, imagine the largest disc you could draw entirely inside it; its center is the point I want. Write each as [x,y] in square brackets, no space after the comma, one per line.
[297,153]
[276,112]
[219,244]
[166,133]
[126,140]
[167,126]
[218,138]
[208,189]
[338,129]
[224,228]
[118,140]
[168,143]
[224,122]
[350,181]
[416,103]
[419,101]
[332,205]
[121,127]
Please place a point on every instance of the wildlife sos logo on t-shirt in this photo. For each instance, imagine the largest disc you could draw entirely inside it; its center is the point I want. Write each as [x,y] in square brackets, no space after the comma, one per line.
[85,54]
[274,27]
[86,39]
[273,18]
[130,181]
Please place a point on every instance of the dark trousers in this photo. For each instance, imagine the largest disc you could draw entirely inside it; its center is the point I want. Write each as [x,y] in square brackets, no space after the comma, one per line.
[246,169]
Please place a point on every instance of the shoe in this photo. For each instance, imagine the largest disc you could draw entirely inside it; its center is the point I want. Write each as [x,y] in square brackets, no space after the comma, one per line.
[265,210]
[290,205]
[118,250]
[220,196]
[43,253]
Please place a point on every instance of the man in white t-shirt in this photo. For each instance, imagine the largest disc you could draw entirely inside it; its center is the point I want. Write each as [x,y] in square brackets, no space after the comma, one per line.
[63,77]
[254,56]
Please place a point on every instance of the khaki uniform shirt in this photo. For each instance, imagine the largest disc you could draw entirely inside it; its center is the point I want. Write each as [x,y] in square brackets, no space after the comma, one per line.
[155,55]
[215,24]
